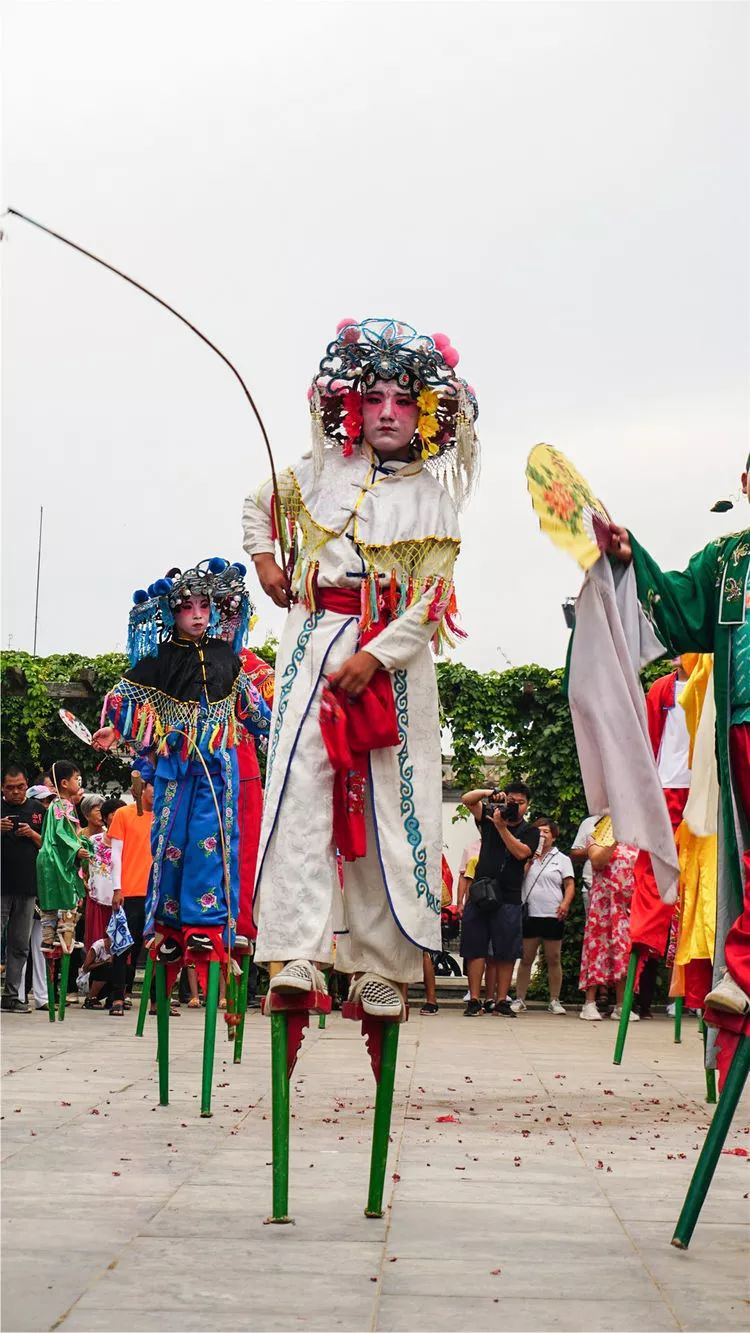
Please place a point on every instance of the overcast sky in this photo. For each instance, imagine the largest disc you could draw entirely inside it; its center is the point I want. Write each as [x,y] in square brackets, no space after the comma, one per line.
[562,188]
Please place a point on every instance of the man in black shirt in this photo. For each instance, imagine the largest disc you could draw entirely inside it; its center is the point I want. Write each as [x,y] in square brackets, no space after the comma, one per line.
[507,843]
[20,840]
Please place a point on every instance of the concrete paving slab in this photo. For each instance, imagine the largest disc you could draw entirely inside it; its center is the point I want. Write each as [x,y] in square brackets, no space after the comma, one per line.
[554,1152]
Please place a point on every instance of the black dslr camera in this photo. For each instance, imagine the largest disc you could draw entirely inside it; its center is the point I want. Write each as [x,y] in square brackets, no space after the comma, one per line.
[509,810]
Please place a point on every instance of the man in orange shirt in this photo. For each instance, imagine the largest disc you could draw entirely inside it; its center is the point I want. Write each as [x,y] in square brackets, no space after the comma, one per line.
[130,836]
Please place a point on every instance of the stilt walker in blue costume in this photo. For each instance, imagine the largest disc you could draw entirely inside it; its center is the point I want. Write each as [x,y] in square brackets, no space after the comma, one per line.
[183,702]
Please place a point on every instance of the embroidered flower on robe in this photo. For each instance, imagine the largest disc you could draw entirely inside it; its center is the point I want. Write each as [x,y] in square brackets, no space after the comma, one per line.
[208,845]
[173,853]
[171,907]
[207,901]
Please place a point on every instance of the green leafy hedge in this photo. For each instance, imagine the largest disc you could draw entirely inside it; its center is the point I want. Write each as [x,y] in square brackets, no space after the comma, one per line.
[520,715]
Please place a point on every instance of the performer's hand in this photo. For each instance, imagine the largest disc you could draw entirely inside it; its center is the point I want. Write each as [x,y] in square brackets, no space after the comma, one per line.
[104,738]
[82,854]
[273,580]
[355,674]
[619,544]
[116,899]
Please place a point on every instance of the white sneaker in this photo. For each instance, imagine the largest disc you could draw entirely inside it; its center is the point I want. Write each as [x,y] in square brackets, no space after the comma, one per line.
[554,1007]
[729,996]
[617,1014]
[671,1010]
[300,975]
[379,997]
[590,1013]
[518,1006]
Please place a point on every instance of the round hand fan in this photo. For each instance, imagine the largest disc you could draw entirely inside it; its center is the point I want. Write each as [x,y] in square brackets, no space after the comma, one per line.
[75,725]
[604,834]
[567,509]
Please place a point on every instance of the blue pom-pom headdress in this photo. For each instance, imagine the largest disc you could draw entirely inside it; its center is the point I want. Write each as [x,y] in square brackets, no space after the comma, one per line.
[152,614]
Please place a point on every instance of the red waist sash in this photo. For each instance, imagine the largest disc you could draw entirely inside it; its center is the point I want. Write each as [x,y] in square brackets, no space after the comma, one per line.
[352,728]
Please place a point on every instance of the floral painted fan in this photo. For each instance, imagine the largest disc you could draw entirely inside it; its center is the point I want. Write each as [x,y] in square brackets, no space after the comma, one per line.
[567,509]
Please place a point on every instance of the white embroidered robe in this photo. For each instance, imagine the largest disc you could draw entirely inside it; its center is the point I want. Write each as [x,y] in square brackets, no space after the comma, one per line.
[356,522]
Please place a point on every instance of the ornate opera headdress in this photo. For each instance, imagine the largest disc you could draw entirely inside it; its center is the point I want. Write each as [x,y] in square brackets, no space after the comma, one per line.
[423,366]
[152,614]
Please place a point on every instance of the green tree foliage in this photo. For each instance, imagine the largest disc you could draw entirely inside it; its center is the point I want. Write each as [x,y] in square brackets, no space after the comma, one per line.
[33,734]
[521,716]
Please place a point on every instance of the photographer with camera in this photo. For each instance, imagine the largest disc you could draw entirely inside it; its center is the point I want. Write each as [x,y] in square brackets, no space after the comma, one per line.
[20,830]
[492,914]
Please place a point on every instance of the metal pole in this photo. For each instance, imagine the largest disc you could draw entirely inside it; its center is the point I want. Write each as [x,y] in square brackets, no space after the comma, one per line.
[146,991]
[280,1117]
[209,1035]
[382,1124]
[734,1084]
[38,574]
[627,1005]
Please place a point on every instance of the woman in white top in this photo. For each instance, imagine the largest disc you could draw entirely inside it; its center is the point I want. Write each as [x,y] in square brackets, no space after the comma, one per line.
[548,891]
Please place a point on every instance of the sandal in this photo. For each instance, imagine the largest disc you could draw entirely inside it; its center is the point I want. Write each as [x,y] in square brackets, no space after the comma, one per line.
[117,1010]
[429,1009]
[92,1004]
[128,1003]
[194,1003]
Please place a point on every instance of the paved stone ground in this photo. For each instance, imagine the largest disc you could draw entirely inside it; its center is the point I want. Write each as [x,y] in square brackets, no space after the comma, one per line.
[547,1203]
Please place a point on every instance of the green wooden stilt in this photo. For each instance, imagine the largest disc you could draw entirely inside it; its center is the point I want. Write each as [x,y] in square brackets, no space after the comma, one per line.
[679,1004]
[145,994]
[734,1084]
[321,1020]
[162,1027]
[209,1035]
[701,1024]
[627,1005]
[280,1117]
[382,1125]
[233,994]
[239,1032]
[64,974]
[710,1073]
[50,988]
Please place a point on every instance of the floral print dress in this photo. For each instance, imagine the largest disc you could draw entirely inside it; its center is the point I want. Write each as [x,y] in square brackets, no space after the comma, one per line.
[606,939]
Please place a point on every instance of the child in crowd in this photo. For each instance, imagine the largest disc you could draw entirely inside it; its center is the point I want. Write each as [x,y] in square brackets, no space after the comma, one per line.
[99,956]
[62,855]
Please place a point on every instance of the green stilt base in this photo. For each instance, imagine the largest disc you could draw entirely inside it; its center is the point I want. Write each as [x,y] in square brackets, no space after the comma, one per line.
[50,967]
[239,1032]
[145,993]
[321,1020]
[64,974]
[679,1005]
[290,1015]
[715,1138]
[710,1073]
[381,1129]
[162,1026]
[209,1035]
[627,1005]
[381,1036]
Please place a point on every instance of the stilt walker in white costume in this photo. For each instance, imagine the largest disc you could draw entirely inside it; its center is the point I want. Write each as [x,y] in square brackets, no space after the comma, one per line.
[354,755]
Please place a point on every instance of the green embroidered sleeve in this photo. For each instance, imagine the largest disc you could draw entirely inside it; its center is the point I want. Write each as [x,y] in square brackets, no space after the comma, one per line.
[58,883]
[680,604]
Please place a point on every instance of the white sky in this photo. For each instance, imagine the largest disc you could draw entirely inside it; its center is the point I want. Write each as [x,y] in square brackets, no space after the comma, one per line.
[562,188]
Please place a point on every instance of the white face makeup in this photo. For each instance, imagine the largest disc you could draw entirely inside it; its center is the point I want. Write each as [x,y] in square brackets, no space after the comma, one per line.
[389,418]
[193,617]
